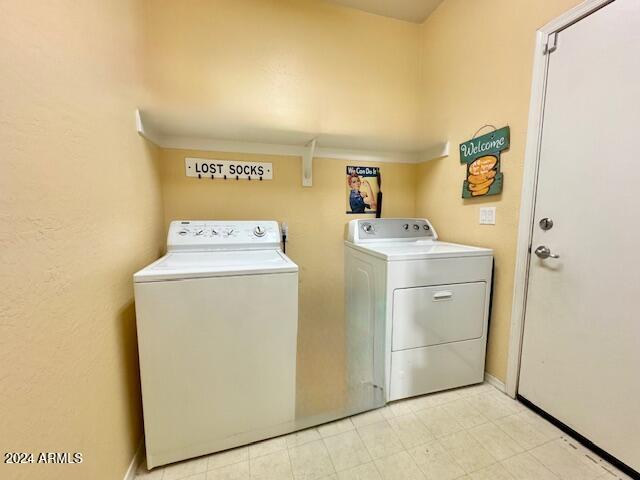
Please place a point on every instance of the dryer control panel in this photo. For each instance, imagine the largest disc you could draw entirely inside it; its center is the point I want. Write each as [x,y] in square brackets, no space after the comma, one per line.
[390,229]
[205,235]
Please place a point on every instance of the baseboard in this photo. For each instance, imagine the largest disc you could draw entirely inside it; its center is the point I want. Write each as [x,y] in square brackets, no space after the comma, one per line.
[491,380]
[135,462]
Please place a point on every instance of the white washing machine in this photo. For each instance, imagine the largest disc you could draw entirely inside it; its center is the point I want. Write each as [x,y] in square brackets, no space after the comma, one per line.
[217,321]
[430,298]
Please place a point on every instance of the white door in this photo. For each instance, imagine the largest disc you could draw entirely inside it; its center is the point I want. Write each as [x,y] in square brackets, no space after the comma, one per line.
[581,346]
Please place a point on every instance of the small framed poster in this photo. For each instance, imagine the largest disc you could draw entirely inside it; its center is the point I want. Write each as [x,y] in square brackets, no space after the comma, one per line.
[362,189]
[482,157]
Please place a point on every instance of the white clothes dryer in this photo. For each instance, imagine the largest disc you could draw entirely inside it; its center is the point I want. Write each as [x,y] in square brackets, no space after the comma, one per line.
[430,298]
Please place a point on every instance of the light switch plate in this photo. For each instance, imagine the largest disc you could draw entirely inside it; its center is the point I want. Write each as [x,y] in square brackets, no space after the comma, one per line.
[487,215]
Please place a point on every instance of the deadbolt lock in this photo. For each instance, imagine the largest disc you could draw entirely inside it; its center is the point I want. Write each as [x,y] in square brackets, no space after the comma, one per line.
[546,224]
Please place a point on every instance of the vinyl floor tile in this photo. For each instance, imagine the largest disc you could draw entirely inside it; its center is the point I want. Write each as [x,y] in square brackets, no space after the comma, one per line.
[474,433]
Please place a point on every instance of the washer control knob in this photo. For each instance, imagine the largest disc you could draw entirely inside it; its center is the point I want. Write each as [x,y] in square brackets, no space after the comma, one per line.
[405,226]
[425,226]
[259,231]
[416,226]
[367,227]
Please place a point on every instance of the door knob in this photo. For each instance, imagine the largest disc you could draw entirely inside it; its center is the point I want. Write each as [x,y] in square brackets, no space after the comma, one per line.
[544,252]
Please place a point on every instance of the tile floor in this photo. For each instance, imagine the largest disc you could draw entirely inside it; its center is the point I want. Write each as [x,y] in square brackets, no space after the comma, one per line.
[473,433]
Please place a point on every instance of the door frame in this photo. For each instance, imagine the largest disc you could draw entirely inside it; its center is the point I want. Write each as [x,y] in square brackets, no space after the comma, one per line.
[545,40]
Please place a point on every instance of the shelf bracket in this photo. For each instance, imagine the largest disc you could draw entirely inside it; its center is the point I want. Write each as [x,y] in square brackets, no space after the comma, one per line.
[307,163]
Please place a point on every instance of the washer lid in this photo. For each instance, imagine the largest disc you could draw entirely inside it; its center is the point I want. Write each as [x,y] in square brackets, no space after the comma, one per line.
[182,265]
[420,249]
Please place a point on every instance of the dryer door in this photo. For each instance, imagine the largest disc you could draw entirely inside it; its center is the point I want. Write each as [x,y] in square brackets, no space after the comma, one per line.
[425,316]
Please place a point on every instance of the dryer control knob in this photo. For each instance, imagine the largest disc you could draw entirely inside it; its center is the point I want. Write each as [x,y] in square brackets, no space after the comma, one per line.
[367,227]
[259,231]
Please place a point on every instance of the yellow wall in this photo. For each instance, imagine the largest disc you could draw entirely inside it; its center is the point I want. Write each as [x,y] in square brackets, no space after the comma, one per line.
[282,71]
[81,198]
[476,65]
[80,211]
[316,218]
[266,67]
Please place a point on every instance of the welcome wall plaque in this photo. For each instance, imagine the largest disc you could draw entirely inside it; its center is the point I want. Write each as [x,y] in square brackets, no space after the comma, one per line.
[482,157]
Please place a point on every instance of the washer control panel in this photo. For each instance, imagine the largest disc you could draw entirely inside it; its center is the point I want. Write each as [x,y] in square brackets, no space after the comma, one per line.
[203,235]
[391,229]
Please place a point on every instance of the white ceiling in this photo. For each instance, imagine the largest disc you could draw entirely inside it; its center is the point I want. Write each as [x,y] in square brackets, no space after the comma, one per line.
[415,11]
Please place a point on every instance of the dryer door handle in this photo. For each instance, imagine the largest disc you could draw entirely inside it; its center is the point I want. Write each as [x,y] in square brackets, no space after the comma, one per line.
[442,295]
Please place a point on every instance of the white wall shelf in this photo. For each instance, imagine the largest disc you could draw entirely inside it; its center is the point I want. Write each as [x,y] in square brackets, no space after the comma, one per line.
[306,152]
